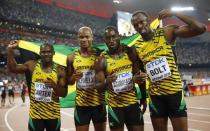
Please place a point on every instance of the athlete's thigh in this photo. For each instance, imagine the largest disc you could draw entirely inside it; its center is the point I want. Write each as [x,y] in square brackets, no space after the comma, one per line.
[176,105]
[53,124]
[3,95]
[158,106]
[82,115]
[36,124]
[98,114]
[133,116]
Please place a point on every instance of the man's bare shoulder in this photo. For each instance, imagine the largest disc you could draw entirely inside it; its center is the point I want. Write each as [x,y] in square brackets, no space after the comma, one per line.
[31,64]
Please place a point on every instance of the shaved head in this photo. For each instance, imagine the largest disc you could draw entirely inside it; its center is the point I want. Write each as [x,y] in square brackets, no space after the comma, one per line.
[84,29]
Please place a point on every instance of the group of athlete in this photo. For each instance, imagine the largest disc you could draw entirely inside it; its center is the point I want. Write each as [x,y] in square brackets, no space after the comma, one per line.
[108,77]
[9,87]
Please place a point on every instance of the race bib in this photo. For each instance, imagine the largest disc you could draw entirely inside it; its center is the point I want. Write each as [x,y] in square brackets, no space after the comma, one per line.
[87,80]
[158,69]
[123,82]
[42,92]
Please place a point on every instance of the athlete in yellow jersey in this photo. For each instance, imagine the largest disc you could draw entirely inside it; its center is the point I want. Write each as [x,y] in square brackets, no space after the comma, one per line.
[115,66]
[48,82]
[89,102]
[154,49]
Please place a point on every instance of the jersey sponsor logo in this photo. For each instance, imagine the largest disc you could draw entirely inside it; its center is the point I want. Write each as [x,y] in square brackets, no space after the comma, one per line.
[152,52]
[78,61]
[84,67]
[119,69]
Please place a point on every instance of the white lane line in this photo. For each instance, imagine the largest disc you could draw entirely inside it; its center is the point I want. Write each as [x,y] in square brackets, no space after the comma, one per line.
[198,114]
[62,129]
[6,116]
[67,114]
[190,129]
[70,129]
[207,122]
[199,108]
[195,120]
[7,113]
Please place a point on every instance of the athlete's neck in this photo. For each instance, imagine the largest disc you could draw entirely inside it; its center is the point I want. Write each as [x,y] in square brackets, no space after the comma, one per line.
[47,66]
[116,51]
[85,51]
[148,36]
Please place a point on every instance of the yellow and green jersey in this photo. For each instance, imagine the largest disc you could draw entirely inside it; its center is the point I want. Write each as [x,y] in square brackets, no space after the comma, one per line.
[86,95]
[44,104]
[123,93]
[158,58]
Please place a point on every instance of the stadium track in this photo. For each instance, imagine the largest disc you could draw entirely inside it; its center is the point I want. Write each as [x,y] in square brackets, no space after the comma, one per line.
[15,117]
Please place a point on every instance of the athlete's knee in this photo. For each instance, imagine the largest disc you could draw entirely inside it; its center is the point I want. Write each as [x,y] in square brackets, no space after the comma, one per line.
[179,124]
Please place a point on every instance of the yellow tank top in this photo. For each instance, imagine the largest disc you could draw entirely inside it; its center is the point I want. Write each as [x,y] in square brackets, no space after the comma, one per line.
[85,94]
[159,61]
[44,104]
[123,93]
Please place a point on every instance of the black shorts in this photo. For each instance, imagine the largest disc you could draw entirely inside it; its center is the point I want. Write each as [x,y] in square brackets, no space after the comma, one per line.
[22,93]
[167,105]
[41,124]
[11,93]
[84,114]
[130,115]
[3,94]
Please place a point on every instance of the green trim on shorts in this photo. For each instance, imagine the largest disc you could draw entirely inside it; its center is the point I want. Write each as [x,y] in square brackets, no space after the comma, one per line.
[76,116]
[152,105]
[182,104]
[111,112]
[58,124]
[31,123]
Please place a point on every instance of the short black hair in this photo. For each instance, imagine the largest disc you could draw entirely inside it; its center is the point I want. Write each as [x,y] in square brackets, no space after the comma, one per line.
[47,44]
[140,12]
[112,28]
